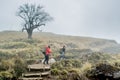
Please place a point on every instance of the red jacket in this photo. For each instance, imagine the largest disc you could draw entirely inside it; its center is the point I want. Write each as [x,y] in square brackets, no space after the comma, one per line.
[48,51]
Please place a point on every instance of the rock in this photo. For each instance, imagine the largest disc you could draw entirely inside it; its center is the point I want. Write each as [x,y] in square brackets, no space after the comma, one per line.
[51,61]
[116,75]
[105,71]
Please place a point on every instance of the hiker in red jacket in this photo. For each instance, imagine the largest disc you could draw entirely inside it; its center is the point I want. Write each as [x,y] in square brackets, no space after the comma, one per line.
[47,54]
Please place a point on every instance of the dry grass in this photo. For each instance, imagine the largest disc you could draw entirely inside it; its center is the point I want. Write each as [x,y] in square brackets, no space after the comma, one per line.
[81,52]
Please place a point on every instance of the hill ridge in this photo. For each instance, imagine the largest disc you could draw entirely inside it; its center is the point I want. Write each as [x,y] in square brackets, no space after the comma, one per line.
[95,44]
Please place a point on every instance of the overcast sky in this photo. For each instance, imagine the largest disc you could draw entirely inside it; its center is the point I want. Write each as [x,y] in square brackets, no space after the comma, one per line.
[91,18]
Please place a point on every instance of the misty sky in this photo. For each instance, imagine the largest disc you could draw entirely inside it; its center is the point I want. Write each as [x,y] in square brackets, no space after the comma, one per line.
[91,18]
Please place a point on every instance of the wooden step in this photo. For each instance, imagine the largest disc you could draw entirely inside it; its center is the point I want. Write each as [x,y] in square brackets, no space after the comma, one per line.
[38,67]
[45,73]
[38,70]
[37,78]
[36,74]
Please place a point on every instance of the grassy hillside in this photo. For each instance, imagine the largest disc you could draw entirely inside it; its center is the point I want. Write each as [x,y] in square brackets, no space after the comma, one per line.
[83,54]
[14,43]
[72,42]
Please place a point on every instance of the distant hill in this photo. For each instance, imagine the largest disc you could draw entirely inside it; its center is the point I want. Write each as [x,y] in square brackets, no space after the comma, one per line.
[72,42]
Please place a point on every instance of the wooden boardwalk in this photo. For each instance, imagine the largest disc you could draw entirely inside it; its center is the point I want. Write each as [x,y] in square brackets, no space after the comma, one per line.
[36,72]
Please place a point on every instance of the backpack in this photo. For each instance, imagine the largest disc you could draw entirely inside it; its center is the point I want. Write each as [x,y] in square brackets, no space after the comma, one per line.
[43,52]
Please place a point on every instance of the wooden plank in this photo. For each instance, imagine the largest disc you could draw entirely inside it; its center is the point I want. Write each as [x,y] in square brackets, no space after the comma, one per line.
[38,66]
[45,73]
[31,78]
[32,74]
[36,74]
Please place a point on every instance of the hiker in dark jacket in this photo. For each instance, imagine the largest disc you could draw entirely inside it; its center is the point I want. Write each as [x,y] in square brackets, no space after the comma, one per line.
[62,52]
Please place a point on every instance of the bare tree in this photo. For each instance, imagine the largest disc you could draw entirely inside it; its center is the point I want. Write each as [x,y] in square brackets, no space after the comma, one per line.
[33,16]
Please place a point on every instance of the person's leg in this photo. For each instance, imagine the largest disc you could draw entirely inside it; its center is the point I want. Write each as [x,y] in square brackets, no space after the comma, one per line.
[47,58]
[60,56]
[63,55]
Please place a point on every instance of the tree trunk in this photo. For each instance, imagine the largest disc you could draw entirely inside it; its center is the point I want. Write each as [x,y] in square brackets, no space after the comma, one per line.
[29,31]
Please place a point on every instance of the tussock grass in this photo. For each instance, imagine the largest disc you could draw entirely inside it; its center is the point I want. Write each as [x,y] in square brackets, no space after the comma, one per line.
[82,54]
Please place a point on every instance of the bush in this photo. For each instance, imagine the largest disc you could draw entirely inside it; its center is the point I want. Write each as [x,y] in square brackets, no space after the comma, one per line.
[5,54]
[55,71]
[6,65]
[19,68]
[64,64]
[102,69]
[85,67]
[31,61]
[5,74]
[67,69]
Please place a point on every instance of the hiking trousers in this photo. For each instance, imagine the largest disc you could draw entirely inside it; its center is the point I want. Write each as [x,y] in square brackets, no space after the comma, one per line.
[46,59]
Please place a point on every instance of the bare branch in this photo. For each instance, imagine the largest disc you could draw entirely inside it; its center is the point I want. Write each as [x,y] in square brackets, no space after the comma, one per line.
[37,26]
[34,17]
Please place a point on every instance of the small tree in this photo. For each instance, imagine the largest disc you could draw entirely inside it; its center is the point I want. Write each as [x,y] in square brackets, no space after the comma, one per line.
[33,16]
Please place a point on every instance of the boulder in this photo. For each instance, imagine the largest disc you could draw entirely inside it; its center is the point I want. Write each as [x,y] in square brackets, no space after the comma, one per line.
[51,60]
